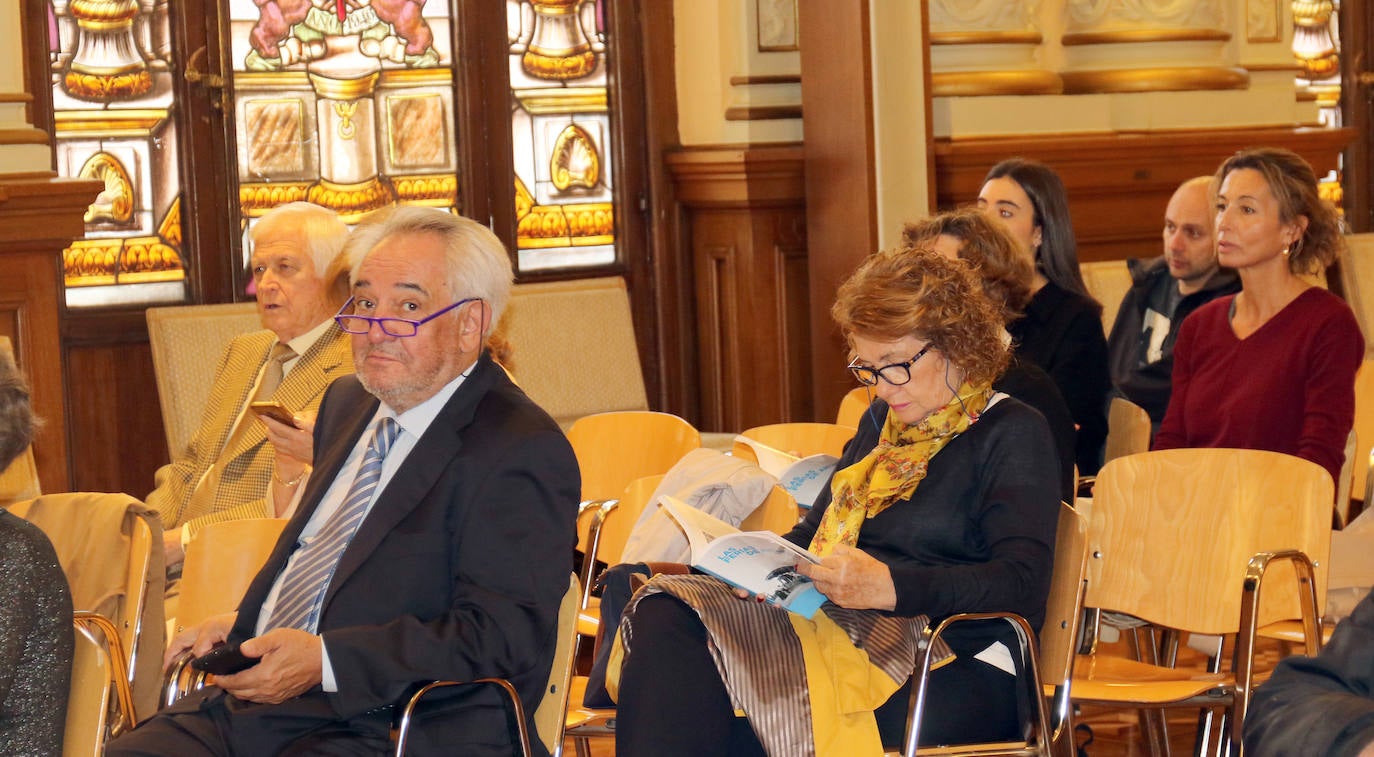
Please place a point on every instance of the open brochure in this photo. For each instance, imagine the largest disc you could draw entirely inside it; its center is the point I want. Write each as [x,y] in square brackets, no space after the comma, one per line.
[803,477]
[760,562]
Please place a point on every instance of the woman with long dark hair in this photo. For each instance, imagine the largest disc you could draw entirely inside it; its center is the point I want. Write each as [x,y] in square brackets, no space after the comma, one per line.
[1061,328]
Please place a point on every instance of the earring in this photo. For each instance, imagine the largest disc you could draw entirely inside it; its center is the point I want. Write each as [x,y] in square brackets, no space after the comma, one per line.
[1285,249]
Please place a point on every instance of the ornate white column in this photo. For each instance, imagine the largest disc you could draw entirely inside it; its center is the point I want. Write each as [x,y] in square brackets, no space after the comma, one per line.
[1112,46]
[988,47]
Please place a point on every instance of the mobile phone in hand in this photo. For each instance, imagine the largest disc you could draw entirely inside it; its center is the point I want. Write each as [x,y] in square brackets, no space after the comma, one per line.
[274,410]
[223,660]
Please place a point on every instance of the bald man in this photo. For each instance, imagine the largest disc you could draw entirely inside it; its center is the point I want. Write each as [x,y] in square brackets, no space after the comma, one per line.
[1164,291]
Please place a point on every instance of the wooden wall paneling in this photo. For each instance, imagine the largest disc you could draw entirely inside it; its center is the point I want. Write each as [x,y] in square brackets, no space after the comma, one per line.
[39,216]
[841,189]
[116,432]
[746,229]
[1357,111]
[1119,184]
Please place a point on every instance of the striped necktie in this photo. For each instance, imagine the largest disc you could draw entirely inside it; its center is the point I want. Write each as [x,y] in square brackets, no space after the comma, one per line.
[303,588]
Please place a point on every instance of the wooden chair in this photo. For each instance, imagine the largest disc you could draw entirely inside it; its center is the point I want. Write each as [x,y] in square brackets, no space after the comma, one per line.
[853,406]
[110,548]
[616,448]
[777,513]
[187,342]
[611,526]
[1052,664]
[1184,539]
[798,439]
[221,561]
[548,717]
[1128,429]
[97,674]
[1108,281]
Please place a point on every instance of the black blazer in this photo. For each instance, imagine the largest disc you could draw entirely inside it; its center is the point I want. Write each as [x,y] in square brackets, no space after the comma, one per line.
[456,573]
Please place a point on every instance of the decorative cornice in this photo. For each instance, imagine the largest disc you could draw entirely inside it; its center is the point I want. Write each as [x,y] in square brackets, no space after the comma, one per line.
[762,112]
[1134,36]
[29,136]
[986,38]
[1154,80]
[43,207]
[984,83]
[737,175]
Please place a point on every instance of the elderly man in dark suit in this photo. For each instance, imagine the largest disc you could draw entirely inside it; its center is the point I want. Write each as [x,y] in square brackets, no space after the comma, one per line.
[434,539]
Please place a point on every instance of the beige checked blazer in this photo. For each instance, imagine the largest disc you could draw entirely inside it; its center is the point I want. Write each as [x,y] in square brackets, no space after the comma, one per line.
[246,470]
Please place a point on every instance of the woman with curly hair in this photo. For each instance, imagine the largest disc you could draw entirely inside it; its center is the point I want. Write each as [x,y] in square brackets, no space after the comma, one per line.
[1273,366]
[946,504]
[1006,275]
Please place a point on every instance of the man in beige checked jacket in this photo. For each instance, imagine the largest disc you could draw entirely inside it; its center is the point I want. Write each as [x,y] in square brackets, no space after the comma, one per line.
[234,458]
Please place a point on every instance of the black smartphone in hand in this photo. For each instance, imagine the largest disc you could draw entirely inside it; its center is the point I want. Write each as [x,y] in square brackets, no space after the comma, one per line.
[274,410]
[223,660]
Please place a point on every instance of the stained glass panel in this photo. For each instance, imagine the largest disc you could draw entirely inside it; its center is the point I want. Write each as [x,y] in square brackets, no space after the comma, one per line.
[111,64]
[344,103]
[561,130]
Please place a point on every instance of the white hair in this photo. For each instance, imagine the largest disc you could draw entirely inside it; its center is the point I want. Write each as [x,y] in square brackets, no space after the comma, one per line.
[319,228]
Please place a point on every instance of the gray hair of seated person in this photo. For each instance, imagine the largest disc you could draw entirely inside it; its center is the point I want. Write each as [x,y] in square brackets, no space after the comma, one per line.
[17,421]
[478,264]
[324,234]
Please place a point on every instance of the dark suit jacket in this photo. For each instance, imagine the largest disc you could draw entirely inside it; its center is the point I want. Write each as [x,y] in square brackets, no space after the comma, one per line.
[456,573]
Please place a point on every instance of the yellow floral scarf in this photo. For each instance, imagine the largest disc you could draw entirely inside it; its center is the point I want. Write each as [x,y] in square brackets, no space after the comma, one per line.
[893,469]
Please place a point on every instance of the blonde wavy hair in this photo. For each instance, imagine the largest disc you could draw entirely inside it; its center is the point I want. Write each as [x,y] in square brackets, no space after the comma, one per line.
[913,292]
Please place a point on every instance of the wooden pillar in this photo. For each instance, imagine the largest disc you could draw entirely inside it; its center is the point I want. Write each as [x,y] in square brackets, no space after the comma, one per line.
[39,216]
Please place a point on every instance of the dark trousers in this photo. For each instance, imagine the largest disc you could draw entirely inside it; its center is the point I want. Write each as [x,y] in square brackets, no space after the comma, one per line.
[672,701]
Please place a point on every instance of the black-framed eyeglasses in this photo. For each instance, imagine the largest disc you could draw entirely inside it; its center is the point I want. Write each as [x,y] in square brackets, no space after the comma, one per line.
[895,374]
[400,327]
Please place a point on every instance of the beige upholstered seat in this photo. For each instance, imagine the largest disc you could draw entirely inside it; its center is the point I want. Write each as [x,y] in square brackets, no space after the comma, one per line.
[187,342]
[573,347]
[797,439]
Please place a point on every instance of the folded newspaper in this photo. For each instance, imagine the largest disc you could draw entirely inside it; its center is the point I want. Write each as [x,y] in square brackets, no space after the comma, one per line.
[760,562]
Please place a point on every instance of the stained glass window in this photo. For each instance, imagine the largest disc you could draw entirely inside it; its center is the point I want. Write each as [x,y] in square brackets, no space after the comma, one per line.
[111,64]
[344,103]
[561,129]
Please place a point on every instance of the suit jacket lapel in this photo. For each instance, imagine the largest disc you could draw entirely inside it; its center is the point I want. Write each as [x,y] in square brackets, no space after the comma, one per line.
[307,379]
[416,477]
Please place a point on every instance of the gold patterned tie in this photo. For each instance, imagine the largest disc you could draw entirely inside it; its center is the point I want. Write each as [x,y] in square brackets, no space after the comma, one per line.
[272,372]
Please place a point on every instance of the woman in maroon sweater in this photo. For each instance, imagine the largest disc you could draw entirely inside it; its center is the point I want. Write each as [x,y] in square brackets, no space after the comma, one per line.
[1272,367]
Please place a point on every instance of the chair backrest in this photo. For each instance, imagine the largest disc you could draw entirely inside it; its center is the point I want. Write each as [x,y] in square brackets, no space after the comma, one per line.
[1128,429]
[616,448]
[853,406]
[777,513]
[1064,607]
[1107,281]
[110,548]
[619,521]
[20,480]
[1170,534]
[187,342]
[88,704]
[221,561]
[1357,275]
[800,439]
[573,347]
[549,717]
[1364,425]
